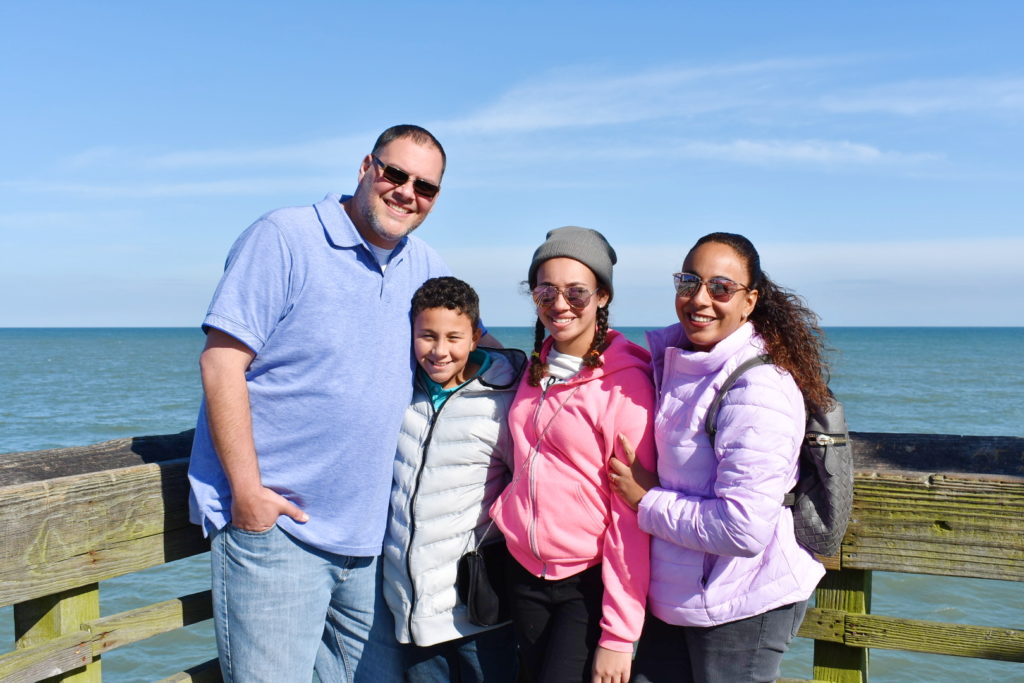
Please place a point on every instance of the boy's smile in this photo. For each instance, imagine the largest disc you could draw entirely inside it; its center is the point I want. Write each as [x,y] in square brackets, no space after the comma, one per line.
[442,340]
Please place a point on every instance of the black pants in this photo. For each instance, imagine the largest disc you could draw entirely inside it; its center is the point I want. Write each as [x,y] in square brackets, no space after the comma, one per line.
[557,623]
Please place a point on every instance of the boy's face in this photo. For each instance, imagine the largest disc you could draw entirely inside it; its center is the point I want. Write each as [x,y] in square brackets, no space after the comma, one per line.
[442,340]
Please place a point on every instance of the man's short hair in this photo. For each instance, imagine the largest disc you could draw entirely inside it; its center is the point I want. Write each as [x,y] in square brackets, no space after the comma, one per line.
[420,136]
[447,292]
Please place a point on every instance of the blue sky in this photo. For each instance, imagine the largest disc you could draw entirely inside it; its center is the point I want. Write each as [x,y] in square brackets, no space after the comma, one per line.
[874,152]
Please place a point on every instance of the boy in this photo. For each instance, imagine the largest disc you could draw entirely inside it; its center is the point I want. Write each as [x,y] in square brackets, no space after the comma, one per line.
[454,457]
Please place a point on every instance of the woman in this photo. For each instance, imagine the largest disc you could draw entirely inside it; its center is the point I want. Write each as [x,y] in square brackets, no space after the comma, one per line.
[729,583]
[581,564]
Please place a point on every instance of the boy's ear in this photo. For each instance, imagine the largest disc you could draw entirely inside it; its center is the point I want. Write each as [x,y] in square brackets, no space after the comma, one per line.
[477,333]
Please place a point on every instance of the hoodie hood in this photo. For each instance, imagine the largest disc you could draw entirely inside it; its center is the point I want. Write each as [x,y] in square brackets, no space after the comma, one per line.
[626,355]
[506,367]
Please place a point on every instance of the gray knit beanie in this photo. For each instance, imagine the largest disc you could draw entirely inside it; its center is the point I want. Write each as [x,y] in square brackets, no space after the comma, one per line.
[587,246]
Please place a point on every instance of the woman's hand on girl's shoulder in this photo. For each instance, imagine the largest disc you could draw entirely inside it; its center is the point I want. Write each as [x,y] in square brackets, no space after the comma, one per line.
[628,477]
[611,666]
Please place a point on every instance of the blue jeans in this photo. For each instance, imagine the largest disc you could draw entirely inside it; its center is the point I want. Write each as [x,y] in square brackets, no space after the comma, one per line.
[745,651]
[487,657]
[282,608]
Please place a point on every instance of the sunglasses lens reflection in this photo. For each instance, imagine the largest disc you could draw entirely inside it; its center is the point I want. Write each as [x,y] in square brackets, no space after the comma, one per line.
[399,177]
[720,290]
[425,189]
[576,297]
[686,285]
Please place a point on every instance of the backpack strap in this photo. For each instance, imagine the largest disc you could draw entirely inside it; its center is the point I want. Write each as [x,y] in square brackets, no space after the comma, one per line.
[710,421]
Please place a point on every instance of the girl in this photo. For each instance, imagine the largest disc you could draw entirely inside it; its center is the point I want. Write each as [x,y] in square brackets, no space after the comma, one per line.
[729,583]
[580,575]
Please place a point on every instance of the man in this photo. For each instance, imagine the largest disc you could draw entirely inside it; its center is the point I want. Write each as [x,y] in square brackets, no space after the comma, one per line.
[306,373]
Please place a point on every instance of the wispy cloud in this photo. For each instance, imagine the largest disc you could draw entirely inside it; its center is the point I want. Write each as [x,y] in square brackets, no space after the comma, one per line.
[41,221]
[812,152]
[817,152]
[326,152]
[586,98]
[768,95]
[919,97]
[128,190]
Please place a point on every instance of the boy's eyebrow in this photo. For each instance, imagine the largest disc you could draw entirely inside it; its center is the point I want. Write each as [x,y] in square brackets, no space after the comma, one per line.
[421,330]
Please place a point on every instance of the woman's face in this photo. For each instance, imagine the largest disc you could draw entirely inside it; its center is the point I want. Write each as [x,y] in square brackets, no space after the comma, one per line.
[572,328]
[705,320]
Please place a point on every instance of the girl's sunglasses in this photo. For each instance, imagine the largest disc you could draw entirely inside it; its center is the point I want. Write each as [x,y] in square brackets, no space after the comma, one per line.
[576,296]
[395,175]
[719,288]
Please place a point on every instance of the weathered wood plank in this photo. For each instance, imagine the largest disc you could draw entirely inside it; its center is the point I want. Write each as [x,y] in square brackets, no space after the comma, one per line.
[958,640]
[121,629]
[117,559]
[953,525]
[207,672]
[993,455]
[827,625]
[52,658]
[40,621]
[75,530]
[891,633]
[41,657]
[848,592]
[27,466]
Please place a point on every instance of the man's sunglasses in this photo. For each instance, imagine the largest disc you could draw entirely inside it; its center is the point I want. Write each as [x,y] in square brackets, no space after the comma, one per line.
[576,296]
[719,288]
[395,175]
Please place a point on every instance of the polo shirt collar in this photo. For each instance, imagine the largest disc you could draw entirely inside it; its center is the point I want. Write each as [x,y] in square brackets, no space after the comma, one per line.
[341,232]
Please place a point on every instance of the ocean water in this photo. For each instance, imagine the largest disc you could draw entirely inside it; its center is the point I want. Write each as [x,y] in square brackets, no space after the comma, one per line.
[66,387]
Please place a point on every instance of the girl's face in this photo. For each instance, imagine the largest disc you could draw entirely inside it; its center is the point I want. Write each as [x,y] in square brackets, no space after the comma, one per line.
[572,327]
[707,320]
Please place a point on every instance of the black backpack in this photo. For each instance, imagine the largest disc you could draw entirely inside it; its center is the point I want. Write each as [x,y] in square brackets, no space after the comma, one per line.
[822,499]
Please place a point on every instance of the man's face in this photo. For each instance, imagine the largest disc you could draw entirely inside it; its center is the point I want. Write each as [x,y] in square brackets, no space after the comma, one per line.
[384,212]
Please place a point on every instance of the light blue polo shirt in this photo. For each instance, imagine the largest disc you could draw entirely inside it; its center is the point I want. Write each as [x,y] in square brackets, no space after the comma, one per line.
[332,374]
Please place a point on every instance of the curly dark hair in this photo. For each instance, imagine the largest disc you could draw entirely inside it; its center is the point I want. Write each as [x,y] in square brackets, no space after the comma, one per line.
[789,328]
[447,292]
[421,136]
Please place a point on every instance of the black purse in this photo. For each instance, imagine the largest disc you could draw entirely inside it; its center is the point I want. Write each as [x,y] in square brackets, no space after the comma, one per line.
[481,583]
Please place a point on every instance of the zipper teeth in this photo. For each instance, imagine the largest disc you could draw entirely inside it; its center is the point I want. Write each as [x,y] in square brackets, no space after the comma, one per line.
[540,433]
[412,507]
[533,484]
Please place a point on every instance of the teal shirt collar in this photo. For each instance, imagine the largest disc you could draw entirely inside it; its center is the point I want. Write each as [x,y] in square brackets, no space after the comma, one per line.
[438,394]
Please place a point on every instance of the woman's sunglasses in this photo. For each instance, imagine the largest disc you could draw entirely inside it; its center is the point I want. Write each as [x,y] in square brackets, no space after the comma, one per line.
[395,175]
[719,288]
[576,296]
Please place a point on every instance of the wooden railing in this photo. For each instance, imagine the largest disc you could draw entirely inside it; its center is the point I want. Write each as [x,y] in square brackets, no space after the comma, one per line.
[70,518]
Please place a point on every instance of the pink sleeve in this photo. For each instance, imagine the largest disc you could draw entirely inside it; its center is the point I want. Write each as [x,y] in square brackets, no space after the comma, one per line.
[626,565]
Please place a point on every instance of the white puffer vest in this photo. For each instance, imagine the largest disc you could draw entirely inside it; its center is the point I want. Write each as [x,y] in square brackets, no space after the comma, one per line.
[450,466]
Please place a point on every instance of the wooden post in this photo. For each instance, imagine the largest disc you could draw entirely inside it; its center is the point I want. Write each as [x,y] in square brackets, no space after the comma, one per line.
[37,621]
[848,590]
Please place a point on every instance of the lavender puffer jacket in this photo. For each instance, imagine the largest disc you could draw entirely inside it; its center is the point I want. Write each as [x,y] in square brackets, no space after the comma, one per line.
[723,546]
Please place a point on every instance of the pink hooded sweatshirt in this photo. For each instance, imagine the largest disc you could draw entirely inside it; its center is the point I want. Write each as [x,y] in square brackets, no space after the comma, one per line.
[559,515]
[722,544]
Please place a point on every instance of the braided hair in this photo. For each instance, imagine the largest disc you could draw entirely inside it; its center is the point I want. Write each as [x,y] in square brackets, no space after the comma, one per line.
[591,359]
[789,328]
